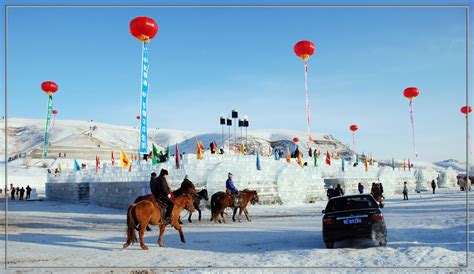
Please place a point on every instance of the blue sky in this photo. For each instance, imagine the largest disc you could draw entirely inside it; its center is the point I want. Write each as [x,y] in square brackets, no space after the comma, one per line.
[206,61]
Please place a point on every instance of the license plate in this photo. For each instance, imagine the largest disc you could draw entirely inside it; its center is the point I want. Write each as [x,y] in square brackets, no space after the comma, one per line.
[352,221]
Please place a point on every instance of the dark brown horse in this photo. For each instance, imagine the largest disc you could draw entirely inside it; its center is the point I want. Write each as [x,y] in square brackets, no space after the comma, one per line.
[376,192]
[197,200]
[221,200]
[147,212]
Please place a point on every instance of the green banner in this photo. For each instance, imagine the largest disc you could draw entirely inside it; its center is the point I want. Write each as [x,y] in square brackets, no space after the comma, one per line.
[48,122]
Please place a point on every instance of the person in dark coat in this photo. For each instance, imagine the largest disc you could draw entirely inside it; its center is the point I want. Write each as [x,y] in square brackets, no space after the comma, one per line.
[433,186]
[338,191]
[405,191]
[231,189]
[22,193]
[381,190]
[163,193]
[17,192]
[28,192]
[297,152]
[310,152]
[13,193]
[361,188]
[153,183]
[330,192]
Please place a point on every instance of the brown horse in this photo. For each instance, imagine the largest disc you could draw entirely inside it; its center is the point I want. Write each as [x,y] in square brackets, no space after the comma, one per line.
[376,192]
[147,212]
[221,200]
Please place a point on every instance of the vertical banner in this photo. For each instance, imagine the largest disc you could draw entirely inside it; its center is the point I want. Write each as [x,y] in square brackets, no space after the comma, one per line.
[48,122]
[308,115]
[143,111]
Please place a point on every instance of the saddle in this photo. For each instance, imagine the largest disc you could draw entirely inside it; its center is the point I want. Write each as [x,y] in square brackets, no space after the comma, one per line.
[163,207]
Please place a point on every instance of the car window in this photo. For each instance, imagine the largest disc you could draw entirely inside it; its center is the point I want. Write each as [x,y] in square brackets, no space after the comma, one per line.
[346,203]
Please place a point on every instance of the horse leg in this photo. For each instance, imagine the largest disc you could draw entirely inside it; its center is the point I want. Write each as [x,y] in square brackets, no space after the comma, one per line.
[162,231]
[142,234]
[189,218]
[199,211]
[233,215]
[247,215]
[240,214]
[180,230]
[222,216]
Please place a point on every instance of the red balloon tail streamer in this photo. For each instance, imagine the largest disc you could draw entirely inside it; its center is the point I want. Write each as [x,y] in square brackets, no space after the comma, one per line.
[308,114]
[413,127]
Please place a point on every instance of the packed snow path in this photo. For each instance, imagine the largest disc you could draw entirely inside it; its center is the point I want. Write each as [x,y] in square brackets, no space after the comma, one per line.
[427,230]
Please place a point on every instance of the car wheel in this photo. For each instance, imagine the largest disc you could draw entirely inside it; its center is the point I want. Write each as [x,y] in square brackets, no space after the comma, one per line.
[329,245]
[383,242]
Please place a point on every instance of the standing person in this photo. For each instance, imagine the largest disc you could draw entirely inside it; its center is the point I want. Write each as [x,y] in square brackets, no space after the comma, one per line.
[310,153]
[361,188]
[22,193]
[330,192]
[153,183]
[13,193]
[338,191]
[433,186]
[163,192]
[28,192]
[405,191]
[17,192]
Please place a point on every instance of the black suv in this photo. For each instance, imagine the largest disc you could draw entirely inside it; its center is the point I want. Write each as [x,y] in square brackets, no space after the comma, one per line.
[353,216]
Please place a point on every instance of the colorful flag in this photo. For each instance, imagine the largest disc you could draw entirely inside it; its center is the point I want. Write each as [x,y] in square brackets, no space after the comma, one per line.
[258,161]
[404,165]
[198,150]
[288,155]
[177,156]
[76,166]
[409,165]
[168,153]
[366,165]
[328,158]
[48,122]
[315,160]
[342,164]
[96,164]
[113,159]
[124,161]
[371,160]
[143,108]
[300,160]
[59,168]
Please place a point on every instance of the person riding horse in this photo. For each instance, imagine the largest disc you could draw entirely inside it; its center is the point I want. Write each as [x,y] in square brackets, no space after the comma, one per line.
[232,190]
[162,192]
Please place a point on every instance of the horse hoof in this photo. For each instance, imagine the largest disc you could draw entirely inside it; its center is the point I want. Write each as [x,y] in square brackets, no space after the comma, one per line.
[125,245]
[144,247]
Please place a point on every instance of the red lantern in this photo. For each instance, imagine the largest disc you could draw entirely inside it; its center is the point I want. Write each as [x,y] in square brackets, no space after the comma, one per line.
[49,87]
[304,49]
[138,117]
[295,140]
[466,109]
[411,93]
[353,128]
[55,112]
[143,28]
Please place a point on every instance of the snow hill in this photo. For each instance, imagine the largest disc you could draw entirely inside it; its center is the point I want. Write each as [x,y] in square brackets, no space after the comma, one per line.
[86,139]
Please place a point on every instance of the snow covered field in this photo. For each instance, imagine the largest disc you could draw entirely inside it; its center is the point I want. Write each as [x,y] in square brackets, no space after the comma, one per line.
[426,231]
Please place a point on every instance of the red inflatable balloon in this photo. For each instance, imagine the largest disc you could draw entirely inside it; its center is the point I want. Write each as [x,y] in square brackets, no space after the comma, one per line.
[55,112]
[304,49]
[411,93]
[138,117]
[49,87]
[353,128]
[143,28]
[295,140]
[466,109]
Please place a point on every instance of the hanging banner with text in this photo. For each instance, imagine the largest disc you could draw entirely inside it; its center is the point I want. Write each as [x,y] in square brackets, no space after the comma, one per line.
[143,112]
[48,122]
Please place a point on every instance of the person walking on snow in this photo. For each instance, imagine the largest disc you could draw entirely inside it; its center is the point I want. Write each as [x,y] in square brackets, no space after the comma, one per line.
[433,186]
[28,192]
[361,188]
[405,191]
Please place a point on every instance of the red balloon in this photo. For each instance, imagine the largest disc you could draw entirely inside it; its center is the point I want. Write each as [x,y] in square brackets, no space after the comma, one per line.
[143,28]
[55,112]
[411,93]
[295,140]
[466,109]
[304,49]
[353,128]
[49,87]
[138,117]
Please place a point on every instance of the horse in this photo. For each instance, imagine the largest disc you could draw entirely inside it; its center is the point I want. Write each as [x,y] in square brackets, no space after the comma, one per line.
[197,200]
[147,212]
[376,192]
[221,200]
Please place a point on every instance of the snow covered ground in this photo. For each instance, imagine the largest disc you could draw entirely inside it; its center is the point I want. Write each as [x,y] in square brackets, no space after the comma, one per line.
[425,231]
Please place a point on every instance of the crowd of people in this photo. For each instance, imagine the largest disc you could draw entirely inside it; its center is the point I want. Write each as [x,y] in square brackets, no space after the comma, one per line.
[19,193]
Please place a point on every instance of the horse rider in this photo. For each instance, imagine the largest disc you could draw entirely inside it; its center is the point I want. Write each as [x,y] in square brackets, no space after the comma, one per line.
[162,192]
[231,189]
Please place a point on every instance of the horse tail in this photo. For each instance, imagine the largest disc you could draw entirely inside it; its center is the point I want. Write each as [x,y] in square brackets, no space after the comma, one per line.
[131,223]
[214,199]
